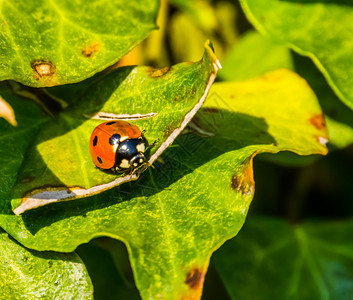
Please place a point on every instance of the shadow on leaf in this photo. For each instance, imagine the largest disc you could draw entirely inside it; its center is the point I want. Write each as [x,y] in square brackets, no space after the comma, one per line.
[31,170]
[189,152]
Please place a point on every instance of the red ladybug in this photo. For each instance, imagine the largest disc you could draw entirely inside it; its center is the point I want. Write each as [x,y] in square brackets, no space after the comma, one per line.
[118,146]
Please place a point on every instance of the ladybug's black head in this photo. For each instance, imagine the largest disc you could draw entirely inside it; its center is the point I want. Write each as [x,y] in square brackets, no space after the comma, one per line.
[137,161]
[130,154]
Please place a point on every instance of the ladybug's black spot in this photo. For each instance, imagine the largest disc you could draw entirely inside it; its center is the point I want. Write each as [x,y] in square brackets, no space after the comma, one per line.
[114,139]
[110,123]
[99,159]
[95,141]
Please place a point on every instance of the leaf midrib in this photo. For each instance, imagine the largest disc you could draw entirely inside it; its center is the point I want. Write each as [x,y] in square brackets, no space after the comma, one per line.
[305,253]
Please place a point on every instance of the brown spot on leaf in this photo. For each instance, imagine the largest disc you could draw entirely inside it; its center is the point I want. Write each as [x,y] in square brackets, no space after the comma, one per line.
[194,279]
[43,68]
[90,50]
[158,72]
[318,121]
[243,179]
[168,130]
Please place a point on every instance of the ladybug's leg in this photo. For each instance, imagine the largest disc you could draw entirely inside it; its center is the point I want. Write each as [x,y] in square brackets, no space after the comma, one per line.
[140,168]
[118,170]
[146,141]
[132,172]
[153,144]
[149,164]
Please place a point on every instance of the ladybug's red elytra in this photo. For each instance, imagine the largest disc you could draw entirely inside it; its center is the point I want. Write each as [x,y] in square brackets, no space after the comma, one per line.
[118,146]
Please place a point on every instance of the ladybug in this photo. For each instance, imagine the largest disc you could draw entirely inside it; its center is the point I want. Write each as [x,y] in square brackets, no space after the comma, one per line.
[118,146]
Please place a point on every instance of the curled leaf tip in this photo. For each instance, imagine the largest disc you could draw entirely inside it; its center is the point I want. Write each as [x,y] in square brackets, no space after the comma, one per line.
[43,196]
[211,52]
[243,181]
[7,112]
[125,117]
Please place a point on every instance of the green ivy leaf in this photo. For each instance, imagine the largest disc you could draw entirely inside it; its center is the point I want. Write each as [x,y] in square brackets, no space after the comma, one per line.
[58,165]
[309,261]
[197,21]
[31,274]
[255,55]
[319,30]
[46,43]
[202,12]
[198,195]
